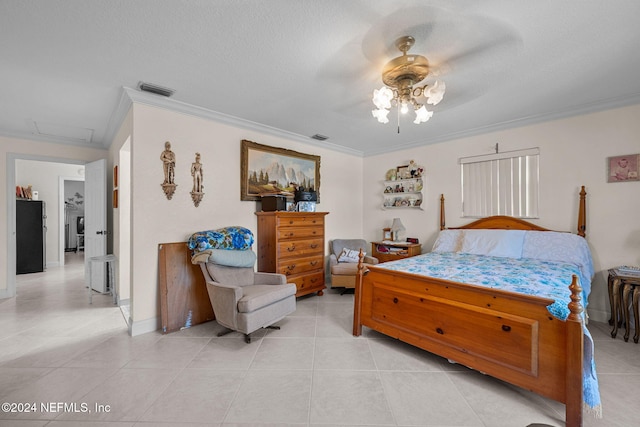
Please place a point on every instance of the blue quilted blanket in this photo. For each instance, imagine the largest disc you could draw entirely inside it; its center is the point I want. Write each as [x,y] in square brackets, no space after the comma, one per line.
[231,238]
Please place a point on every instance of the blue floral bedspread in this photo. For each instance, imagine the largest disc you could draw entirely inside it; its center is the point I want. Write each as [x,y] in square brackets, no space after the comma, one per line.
[524,275]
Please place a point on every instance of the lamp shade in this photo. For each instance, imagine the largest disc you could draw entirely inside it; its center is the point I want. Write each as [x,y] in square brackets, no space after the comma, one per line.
[396,228]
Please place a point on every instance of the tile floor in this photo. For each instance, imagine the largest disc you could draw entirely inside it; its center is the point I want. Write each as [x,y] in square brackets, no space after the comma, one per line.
[56,350]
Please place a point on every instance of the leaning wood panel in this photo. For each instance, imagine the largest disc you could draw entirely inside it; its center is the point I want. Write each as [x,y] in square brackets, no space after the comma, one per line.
[184,301]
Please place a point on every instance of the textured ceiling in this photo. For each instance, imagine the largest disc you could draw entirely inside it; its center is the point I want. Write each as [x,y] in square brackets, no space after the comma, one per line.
[305,67]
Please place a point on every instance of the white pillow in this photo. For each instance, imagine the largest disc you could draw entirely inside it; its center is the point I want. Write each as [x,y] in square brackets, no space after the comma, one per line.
[448,241]
[501,243]
[350,255]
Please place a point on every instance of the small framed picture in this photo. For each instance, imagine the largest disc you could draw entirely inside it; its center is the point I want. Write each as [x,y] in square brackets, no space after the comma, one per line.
[623,168]
[402,172]
[306,206]
[386,234]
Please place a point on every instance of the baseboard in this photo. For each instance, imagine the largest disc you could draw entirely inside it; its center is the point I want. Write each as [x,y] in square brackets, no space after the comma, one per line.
[598,315]
[143,326]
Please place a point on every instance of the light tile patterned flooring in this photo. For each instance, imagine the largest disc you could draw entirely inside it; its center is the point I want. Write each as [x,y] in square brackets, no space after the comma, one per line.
[56,349]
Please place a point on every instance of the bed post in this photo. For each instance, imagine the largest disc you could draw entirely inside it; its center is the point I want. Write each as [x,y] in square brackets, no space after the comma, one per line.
[582,214]
[574,361]
[442,225]
[357,310]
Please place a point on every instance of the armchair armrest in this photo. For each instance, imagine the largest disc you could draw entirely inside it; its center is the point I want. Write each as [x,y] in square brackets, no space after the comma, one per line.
[370,260]
[224,300]
[333,260]
[269,279]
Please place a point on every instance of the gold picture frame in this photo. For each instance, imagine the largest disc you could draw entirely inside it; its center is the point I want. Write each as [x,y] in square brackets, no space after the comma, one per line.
[386,233]
[256,160]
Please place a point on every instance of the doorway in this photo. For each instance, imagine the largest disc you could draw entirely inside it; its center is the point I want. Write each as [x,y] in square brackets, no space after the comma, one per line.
[44,182]
[71,224]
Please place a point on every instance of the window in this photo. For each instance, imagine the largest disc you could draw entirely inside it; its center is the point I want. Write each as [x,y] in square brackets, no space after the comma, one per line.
[501,184]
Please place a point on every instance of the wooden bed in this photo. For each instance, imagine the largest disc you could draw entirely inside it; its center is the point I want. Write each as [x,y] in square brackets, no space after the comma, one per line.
[507,335]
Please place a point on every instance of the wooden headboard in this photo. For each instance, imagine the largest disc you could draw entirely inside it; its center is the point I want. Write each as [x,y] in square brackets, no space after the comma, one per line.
[510,223]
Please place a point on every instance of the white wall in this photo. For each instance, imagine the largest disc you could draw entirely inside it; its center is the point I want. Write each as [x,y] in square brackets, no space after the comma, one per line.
[573,152]
[158,220]
[43,176]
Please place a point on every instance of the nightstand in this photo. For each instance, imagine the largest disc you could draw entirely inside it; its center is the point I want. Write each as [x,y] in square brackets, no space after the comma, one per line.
[390,251]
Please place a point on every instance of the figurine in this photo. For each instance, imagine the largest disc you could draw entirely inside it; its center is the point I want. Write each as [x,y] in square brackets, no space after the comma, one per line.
[198,177]
[196,173]
[168,164]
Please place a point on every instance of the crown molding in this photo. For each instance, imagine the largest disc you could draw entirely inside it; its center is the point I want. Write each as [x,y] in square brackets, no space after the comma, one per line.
[594,107]
[131,96]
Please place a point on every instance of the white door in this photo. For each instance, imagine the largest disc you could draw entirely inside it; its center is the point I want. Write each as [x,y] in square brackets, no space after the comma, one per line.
[95,217]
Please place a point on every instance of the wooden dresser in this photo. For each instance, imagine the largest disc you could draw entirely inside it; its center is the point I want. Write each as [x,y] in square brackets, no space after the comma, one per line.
[292,243]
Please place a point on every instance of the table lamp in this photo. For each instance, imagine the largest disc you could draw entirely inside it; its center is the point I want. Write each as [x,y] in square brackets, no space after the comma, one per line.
[396,228]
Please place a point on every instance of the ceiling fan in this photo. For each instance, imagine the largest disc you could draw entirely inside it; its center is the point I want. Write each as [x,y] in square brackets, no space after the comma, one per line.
[400,76]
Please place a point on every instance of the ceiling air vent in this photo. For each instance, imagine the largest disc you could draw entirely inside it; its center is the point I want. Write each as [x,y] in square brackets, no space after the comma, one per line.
[320,137]
[158,90]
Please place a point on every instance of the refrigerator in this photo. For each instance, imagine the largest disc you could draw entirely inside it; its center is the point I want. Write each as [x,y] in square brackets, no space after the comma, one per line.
[31,234]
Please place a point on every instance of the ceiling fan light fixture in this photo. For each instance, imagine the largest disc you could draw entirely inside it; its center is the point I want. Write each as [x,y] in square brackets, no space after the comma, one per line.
[422,115]
[381,115]
[382,97]
[400,75]
[435,93]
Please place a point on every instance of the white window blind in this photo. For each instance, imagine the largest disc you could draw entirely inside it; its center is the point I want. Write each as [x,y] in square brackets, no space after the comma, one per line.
[501,184]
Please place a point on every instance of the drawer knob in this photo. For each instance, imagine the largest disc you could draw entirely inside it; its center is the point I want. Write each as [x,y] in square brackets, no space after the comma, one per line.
[506,328]
[313,263]
[291,267]
[313,246]
[291,248]
[395,300]
[440,331]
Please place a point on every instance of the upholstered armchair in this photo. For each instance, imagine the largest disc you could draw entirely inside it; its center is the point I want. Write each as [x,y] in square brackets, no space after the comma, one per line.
[244,300]
[343,261]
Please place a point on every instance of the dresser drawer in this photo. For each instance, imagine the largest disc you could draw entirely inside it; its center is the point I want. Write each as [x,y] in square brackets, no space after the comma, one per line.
[300,248]
[300,232]
[300,265]
[307,282]
[300,221]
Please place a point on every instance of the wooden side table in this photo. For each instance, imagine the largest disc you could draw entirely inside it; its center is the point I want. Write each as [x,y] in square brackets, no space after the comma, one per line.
[621,288]
[394,250]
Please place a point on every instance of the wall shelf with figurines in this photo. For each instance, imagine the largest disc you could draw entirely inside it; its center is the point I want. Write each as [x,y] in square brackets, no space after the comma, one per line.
[403,187]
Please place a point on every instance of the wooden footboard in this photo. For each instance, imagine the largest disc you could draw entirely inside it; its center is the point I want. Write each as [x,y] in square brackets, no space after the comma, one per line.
[509,336]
